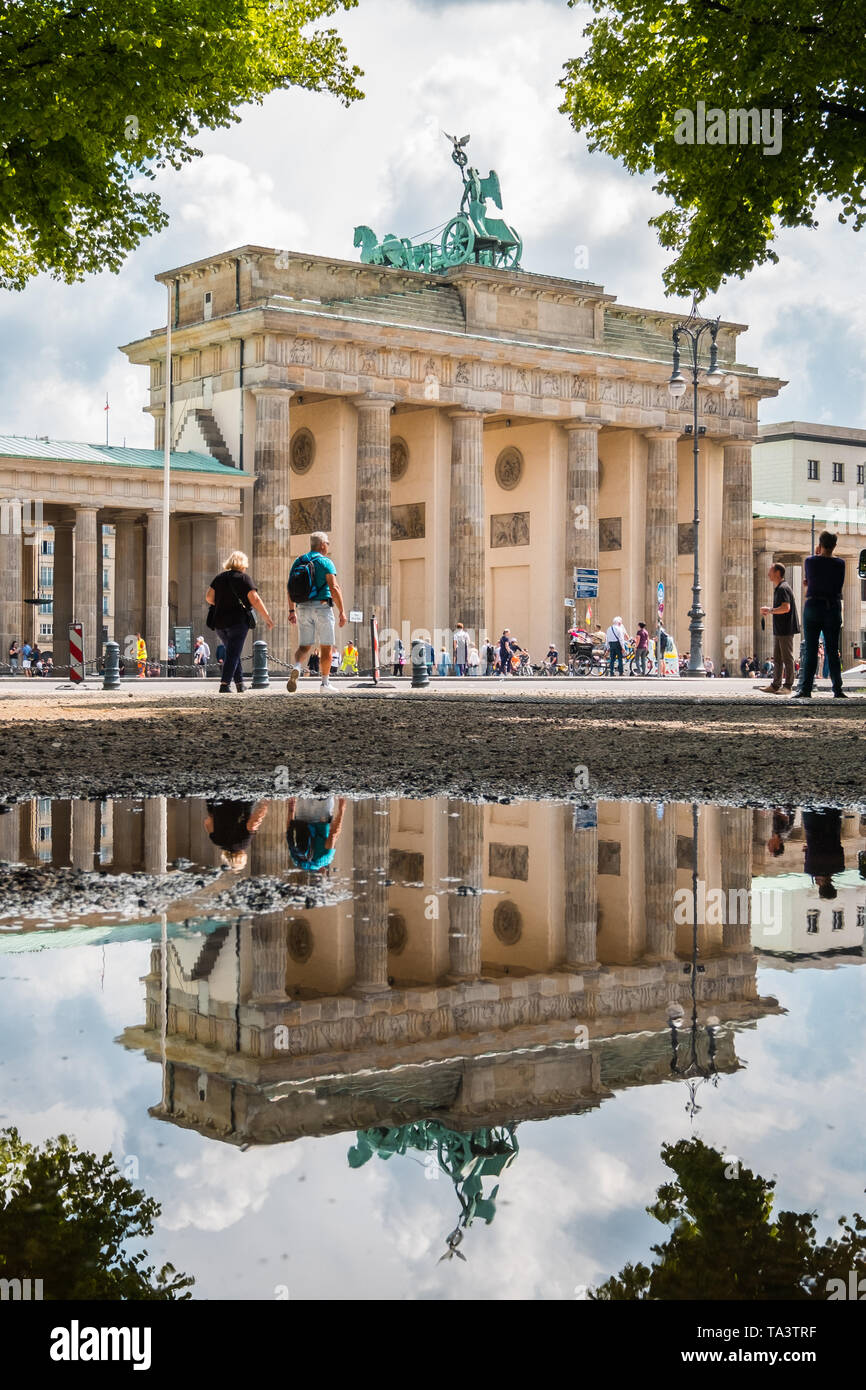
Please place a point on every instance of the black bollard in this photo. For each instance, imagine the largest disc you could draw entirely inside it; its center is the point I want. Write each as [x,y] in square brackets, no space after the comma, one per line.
[111,667]
[420,678]
[261,680]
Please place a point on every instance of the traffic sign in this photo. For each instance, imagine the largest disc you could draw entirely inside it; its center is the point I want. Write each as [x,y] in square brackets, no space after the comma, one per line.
[587,573]
[586,591]
[569,603]
[356,616]
[660,594]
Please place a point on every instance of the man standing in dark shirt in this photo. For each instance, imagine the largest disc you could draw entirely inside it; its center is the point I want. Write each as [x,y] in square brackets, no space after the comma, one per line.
[822,612]
[786,625]
[823,853]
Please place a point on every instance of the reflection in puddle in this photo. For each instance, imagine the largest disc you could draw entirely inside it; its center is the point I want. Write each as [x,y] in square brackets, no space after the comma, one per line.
[419,979]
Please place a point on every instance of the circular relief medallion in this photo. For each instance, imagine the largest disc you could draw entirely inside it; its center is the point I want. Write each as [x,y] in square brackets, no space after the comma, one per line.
[397,933]
[399,459]
[300,941]
[509,468]
[508,923]
[303,451]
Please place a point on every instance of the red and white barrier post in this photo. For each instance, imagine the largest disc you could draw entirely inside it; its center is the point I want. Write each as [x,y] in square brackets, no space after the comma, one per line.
[76,652]
[374,646]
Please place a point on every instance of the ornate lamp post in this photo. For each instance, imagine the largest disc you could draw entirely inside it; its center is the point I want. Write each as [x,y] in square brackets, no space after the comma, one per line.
[696,1071]
[693,330]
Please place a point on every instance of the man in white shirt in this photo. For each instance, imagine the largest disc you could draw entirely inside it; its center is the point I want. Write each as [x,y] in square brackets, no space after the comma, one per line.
[617,638]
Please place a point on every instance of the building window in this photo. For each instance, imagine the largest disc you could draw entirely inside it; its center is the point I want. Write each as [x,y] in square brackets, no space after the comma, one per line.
[814,471]
[105,554]
[838,919]
[105,579]
[861,473]
[46,607]
[105,605]
[46,577]
[861,914]
[838,472]
[44,629]
[812,922]
[47,547]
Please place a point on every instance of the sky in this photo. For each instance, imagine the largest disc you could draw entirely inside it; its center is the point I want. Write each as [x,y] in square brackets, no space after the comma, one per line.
[300,171]
[294,1217]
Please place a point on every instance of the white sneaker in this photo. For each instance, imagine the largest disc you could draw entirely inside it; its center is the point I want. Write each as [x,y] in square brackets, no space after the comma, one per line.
[326,688]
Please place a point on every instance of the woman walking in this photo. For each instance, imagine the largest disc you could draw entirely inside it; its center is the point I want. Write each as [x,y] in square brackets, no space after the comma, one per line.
[233,596]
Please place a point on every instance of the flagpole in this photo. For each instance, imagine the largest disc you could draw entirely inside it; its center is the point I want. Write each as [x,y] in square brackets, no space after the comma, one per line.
[106,419]
[166,494]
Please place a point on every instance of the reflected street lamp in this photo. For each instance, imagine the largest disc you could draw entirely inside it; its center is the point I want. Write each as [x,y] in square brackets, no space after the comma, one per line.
[693,330]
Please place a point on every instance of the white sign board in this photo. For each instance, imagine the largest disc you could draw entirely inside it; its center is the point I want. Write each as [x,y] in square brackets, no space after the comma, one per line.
[356,616]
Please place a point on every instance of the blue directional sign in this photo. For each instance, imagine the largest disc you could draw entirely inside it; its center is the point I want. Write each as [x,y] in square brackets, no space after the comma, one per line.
[661,597]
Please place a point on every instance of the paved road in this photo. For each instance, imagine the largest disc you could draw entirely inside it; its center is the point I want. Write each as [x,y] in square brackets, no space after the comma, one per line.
[601,688]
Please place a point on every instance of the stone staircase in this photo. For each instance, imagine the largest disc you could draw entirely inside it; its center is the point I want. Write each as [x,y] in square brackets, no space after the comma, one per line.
[434,306]
[213,437]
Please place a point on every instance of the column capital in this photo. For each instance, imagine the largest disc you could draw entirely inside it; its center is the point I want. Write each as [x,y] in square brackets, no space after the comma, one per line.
[371,400]
[466,412]
[581,423]
[735,443]
[157,411]
[663,432]
[274,388]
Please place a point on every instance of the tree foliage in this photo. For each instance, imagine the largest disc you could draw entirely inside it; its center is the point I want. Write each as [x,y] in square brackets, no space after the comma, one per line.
[69,1218]
[647,59]
[94,94]
[725,1242]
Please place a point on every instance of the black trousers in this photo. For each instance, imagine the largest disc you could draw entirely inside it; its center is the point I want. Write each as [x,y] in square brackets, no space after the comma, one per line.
[821,615]
[233,639]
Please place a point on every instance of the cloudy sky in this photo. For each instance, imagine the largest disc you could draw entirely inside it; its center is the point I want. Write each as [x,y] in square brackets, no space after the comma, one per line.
[300,171]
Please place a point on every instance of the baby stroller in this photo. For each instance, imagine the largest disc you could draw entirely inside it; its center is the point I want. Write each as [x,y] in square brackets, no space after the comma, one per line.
[583,660]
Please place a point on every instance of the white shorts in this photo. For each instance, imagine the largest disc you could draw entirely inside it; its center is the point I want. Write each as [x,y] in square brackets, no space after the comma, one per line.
[314,809]
[316,625]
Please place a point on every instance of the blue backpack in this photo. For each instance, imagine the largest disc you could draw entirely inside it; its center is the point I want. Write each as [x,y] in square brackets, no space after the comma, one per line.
[303,579]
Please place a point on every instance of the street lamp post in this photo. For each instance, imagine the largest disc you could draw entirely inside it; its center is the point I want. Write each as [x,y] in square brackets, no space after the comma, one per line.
[693,330]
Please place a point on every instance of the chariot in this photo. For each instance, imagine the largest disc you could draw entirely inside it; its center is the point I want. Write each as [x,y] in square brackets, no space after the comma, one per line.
[473,235]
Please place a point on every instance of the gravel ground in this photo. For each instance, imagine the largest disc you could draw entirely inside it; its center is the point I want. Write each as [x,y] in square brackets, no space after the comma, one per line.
[752,750]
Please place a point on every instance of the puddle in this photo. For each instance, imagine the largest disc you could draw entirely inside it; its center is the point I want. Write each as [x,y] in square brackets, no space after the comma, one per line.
[432,1048]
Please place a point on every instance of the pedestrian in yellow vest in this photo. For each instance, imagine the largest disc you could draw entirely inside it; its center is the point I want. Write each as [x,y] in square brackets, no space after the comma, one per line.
[140,655]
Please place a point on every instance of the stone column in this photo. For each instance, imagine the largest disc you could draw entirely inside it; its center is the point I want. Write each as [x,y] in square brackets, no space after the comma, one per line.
[581,507]
[660,882]
[372,592]
[270,560]
[851,610]
[661,527]
[153,584]
[735,607]
[10,582]
[761,644]
[155,835]
[84,822]
[581,894]
[466,865]
[269,943]
[186,605]
[467,519]
[205,564]
[736,855]
[371,834]
[126,581]
[29,587]
[268,853]
[226,539]
[61,609]
[9,825]
[61,833]
[87,588]
[127,826]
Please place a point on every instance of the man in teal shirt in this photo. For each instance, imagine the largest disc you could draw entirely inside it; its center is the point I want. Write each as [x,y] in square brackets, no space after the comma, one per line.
[315,616]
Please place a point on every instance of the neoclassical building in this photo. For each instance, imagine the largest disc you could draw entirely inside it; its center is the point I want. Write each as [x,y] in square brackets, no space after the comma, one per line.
[468,439]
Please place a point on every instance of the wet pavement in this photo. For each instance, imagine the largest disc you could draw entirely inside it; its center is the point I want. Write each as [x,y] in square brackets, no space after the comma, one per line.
[432,1048]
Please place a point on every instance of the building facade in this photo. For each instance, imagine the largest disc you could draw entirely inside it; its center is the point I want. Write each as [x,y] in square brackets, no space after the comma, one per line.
[467,438]
[807,477]
[81,533]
